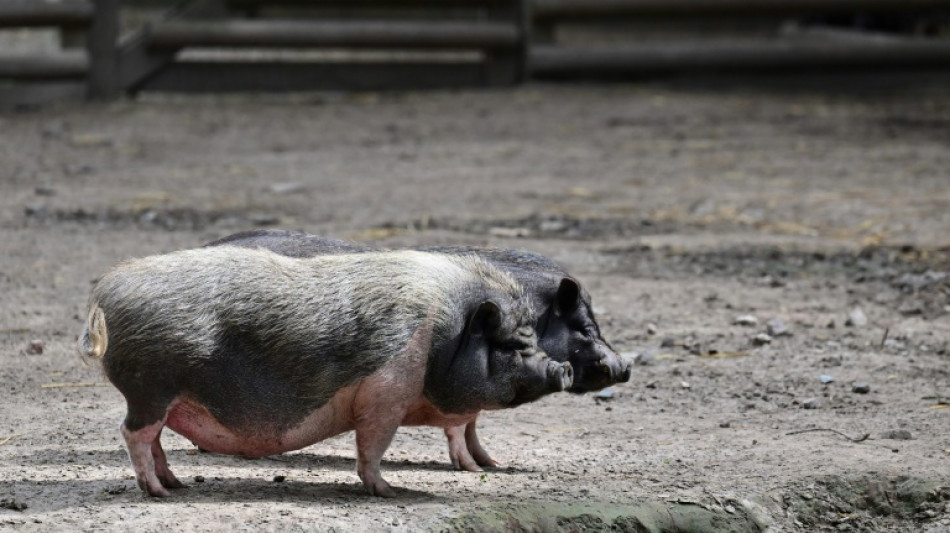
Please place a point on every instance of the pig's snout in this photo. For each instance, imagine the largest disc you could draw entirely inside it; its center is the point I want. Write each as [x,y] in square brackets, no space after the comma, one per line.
[560,376]
[626,367]
[617,369]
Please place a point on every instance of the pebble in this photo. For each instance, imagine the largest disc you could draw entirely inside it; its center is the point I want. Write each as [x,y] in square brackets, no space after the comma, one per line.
[199,479]
[746,320]
[645,357]
[856,318]
[604,395]
[44,190]
[725,424]
[897,434]
[13,504]
[826,379]
[668,342]
[280,478]
[860,387]
[777,328]
[265,220]
[812,403]
[651,328]
[761,339]
[286,188]
[35,347]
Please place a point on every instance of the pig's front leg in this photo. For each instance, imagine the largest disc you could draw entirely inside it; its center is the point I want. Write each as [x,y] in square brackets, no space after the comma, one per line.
[475,448]
[465,451]
[372,439]
[458,451]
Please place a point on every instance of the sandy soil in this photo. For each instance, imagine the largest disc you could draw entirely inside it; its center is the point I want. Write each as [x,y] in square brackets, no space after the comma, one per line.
[679,207]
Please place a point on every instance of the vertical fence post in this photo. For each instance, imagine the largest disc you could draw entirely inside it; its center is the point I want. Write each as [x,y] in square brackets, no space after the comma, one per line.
[101,44]
[508,66]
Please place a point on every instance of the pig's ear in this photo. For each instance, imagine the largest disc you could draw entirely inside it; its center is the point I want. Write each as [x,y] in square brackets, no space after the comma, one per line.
[486,319]
[568,296]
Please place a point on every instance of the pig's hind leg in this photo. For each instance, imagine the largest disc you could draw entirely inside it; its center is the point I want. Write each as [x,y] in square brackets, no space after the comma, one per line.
[146,454]
[164,474]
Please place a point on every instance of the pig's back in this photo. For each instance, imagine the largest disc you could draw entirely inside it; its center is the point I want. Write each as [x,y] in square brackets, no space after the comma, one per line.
[256,337]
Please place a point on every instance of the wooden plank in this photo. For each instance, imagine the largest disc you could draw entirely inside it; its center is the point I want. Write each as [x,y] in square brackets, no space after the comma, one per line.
[564,61]
[26,13]
[28,95]
[547,9]
[507,65]
[342,34]
[135,62]
[101,41]
[61,65]
[284,77]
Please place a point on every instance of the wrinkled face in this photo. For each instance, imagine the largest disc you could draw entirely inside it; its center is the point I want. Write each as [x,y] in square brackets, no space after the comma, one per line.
[568,332]
[524,371]
[494,362]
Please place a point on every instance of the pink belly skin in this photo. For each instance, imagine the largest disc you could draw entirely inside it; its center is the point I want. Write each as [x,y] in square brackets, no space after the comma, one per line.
[193,421]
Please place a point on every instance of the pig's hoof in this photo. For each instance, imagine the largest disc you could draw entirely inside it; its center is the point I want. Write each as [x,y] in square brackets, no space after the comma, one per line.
[487,461]
[158,492]
[381,488]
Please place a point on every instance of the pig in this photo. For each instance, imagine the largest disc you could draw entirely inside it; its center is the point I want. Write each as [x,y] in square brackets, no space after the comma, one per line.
[566,328]
[253,353]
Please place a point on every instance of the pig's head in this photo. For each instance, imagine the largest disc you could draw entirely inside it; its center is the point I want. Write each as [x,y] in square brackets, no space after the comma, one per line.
[494,362]
[568,332]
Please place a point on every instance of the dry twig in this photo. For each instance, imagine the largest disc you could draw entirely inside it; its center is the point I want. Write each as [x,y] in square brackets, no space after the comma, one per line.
[60,385]
[859,439]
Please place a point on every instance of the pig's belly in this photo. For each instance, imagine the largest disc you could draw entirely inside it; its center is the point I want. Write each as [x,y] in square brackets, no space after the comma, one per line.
[193,421]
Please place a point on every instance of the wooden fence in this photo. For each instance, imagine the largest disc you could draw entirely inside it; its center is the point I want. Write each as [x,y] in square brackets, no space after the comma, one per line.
[82,67]
[812,45]
[354,45]
[270,45]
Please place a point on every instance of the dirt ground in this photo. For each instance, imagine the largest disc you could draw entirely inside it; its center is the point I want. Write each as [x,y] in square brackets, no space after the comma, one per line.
[681,208]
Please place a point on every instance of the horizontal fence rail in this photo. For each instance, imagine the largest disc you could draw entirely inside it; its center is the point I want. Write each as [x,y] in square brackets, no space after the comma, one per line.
[344,34]
[61,65]
[549,60]
[36,13]
[543,9]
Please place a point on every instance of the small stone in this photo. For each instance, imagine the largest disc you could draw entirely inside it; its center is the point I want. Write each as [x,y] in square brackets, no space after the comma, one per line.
[746,320]
[280,478]
[265,220]
[13,504]
[777,328]
[761,339]
[812,403]
[501,231]
[860,387]
[651,328]
[35,347]
[668,342]
[44,190]
[897,434]
[34,210]
[642,358]
[199,479]
[684,384]
[725,424]
[826,379]
[604,395]
[856,318]
[286,188]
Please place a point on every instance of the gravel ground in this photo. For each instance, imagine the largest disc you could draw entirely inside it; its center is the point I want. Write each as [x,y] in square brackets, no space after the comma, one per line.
[681,208]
